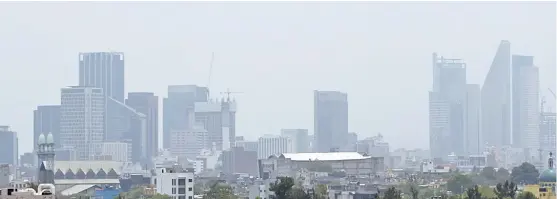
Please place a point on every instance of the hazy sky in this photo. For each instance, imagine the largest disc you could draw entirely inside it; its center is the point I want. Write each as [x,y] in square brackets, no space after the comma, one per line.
[275,53]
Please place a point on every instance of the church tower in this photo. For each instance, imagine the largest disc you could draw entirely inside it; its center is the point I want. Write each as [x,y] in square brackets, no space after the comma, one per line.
[45,156]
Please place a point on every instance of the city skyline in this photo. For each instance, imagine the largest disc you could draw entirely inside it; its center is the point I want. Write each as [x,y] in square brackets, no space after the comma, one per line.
[182,66]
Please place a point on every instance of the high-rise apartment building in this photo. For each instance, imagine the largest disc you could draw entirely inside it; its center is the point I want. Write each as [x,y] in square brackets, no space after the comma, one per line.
[46,119]
[525,103]
[496,99]
[176,107]
[299,137]
[449,92]
[82,113]
[473,140]
[330,120]
[8,146]
[148,105]
[273,145]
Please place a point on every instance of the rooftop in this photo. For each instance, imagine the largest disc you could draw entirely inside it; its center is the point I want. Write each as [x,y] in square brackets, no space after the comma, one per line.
[332,156]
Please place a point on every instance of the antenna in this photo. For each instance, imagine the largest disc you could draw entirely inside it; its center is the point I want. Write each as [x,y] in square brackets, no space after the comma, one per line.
[210,72]
[228,94]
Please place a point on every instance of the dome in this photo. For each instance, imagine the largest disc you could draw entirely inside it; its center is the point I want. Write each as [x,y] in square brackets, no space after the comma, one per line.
[42,139]
[50,139]
[548,175]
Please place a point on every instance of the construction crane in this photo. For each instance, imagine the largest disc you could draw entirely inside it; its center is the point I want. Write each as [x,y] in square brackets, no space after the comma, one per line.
[227,93]
[210,73]
[553,93]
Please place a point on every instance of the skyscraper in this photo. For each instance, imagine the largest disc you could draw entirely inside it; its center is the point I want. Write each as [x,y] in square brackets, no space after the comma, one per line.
[450,94]
[82,119]
[148,105]
[525,103]
[103,70]
[181,99]
[299,137]
[330,120]
[46,119]
[473,106]
[439,131]
[496,99]
[8,146]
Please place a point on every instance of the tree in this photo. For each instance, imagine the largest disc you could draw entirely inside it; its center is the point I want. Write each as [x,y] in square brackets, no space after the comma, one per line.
[321,192]
[392,193]
[505,190]
[488,173]
[282,186]
[458,183]
[220,191]
[297,193]
[526,195]
[525,173]
[502,174]
[414,192]
[160,196]
[474,193]
[198,188]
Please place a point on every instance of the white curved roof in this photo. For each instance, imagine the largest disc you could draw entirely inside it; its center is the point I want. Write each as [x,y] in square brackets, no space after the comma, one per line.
[86,165]
[332,156]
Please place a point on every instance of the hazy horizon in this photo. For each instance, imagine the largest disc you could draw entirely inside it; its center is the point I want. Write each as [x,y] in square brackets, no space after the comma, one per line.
[276,54]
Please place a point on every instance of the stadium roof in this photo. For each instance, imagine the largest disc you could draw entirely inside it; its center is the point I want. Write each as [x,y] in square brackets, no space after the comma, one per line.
[332,156]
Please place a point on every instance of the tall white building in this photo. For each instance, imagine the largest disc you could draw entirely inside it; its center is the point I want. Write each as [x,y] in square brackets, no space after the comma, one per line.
[82,119]
[171,180]
[273,145]
[118,151]
[525,103]
[299,137]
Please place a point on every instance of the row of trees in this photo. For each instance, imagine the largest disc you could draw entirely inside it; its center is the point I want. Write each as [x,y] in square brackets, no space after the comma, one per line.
[501,191]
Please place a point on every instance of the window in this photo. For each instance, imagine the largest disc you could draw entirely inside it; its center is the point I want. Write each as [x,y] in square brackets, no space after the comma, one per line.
[173,181]
[190,189]
[182,181]
[173,190]
[181,190]
[182,197]
[190,180]
[190,197]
